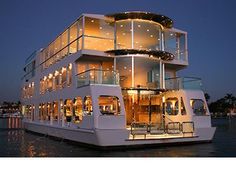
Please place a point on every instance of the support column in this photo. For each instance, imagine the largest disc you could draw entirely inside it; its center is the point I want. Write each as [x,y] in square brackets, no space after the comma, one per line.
[163,76]
[132,45]
[133,71]
[161,81]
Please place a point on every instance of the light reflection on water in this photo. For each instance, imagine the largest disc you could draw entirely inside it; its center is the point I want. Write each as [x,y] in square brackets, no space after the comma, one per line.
[18,143]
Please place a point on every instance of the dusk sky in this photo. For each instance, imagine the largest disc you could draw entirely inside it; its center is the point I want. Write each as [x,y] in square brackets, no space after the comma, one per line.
[29,25]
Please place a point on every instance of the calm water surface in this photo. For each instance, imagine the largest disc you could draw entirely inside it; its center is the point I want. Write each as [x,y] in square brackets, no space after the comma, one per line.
[18,143]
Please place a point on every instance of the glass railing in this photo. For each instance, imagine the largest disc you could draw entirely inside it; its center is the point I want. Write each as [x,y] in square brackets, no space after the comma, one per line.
[180,55]
[177,83]
[96,76]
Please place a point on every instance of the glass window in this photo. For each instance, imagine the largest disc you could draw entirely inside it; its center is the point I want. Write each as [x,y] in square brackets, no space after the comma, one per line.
[69,75]
[73,36]
[172,106]
[80,31]
[109,105]
[183,110]
[182,46]
[198,106]
[55,110]
[51,49]
[99,28]
[57,79]
[63,76]
[123,35]
[64,43]
[78,109]
[147,35]
[124,66]
[88,107]
[57,47]
[68,109]
[49,111]
[49,82]
[146,73]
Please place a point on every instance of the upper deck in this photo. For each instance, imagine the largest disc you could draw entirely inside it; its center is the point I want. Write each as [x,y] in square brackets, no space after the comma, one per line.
[140,32]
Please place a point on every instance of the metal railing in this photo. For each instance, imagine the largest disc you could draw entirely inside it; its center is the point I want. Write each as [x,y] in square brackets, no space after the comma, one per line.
[172,128]
[178,83]
[97,76]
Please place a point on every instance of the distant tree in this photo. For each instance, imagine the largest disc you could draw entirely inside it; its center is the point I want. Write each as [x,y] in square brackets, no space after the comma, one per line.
[230,100]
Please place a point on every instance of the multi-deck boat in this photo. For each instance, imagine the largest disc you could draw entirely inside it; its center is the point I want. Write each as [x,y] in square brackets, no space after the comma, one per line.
[111,80]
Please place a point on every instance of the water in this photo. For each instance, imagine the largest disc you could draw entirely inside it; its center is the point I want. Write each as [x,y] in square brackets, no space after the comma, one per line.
[18,143]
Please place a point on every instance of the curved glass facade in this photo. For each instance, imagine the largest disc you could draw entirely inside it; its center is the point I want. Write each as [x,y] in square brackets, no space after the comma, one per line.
[105,34]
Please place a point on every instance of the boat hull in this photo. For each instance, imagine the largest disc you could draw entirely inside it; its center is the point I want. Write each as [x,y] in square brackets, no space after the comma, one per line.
[115,137]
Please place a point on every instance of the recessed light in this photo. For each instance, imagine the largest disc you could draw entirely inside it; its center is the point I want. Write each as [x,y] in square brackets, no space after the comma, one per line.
[147,29]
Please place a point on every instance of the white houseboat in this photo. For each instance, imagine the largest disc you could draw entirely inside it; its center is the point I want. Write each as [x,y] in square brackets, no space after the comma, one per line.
[111,80]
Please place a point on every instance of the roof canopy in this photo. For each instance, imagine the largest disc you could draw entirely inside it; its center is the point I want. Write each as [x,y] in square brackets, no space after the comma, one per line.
[163,20]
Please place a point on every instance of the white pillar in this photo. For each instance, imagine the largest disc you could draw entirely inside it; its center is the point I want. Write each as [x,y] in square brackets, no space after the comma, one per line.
[161,81]
[163,76]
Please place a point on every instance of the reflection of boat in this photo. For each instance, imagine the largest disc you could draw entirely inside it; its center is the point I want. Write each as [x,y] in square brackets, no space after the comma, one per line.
[111,81]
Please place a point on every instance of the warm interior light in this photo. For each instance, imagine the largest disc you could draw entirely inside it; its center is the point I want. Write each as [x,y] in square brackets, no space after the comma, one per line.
[70,66]
[163,99]
[56,73]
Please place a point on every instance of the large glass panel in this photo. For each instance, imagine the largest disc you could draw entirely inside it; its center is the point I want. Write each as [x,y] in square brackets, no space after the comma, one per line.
[101,44]
[51,49]
[64,42]
[170,42]
[175,43]
[147,35]
[124,66]
[80,30]
[182,46]
[99,28]
[99,34]
[57,47]
[146,73]
[73,36]
[123,34]
[109,105]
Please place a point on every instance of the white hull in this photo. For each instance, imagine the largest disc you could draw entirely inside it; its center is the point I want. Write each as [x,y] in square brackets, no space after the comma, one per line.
[119,137]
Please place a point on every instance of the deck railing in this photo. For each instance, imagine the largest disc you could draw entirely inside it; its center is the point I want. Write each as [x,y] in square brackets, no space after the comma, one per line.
[172,128]
[97,76]
[177,83]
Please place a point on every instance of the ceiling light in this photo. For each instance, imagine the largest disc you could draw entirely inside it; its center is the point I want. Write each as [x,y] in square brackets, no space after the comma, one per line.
[147,29]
